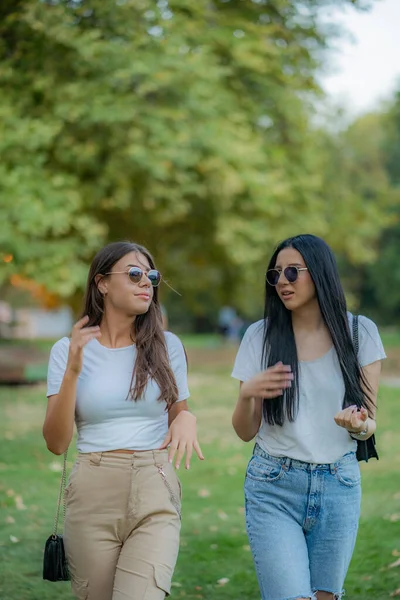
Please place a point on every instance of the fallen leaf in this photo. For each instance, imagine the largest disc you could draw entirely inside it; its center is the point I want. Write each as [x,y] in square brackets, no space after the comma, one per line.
[10,493]
[395,552]
[246,548]
[55,466]
[176,584]
[395,593]
[223,581]
[10,520]
[393,518]
[19,503]
[395,564]
[203,493]
[214,546]
[14,539]
[222,515]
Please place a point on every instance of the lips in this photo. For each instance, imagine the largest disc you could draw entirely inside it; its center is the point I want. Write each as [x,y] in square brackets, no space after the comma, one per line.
[287,295]
[143,296]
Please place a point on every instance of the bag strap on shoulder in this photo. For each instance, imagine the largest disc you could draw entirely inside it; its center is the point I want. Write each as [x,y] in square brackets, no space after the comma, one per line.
[356,341]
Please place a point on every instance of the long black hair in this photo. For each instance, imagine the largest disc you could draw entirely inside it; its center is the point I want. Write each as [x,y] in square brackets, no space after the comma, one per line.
[279,342]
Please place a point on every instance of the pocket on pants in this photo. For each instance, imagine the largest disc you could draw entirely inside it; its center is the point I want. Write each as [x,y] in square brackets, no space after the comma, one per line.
[171,481]
[162,578]
[71,481]
[80,588]
[264,470]
[348,473]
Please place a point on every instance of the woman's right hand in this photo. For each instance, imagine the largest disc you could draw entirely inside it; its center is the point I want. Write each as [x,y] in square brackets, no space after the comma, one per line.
[81,335]
[270,383]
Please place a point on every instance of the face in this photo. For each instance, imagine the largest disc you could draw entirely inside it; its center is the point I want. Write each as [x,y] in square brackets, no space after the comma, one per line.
[302,291]
[121,293]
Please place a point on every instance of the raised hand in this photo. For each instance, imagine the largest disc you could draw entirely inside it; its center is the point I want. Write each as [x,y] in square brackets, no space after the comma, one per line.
[270,383]
[81,335]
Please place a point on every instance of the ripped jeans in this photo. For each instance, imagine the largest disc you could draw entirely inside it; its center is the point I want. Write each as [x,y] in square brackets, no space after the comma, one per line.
[302,522]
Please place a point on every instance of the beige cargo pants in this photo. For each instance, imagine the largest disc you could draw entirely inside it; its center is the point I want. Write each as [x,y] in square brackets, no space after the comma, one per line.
[122,525]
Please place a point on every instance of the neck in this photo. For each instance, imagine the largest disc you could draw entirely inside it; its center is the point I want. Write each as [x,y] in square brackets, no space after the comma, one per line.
[308,317]
[117,330]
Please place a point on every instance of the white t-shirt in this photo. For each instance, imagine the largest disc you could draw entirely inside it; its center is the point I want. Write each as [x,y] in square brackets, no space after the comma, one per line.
[106,418]
[314,436]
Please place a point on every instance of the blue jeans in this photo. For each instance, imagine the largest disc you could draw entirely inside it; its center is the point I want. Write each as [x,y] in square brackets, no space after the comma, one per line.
[302,520]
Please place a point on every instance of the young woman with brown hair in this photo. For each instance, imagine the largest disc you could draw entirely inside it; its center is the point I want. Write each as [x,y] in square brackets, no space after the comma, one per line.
[123,381]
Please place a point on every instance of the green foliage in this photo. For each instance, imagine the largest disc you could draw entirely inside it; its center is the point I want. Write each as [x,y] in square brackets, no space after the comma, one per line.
[184,125]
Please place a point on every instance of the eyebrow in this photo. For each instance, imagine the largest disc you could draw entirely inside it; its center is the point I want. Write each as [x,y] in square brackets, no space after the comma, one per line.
[140,267]
[290,265]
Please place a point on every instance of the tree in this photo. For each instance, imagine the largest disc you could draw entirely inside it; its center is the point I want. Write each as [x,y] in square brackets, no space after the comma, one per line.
[184,125]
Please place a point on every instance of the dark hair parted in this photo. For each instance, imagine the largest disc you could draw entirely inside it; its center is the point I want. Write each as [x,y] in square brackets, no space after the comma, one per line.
[279,342]
[152,359]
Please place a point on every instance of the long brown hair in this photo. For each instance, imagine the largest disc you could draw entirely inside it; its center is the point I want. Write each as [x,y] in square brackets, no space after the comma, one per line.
[152,359]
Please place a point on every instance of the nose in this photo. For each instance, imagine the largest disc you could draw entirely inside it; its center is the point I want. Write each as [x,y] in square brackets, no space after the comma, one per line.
[282,279]
[145,281]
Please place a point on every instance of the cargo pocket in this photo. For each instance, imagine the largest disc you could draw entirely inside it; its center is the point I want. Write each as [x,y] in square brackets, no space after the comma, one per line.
[80,588]
[162,578]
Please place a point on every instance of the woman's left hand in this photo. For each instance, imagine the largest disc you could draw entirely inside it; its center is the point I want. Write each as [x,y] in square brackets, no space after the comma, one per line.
[181,438]
[352,419]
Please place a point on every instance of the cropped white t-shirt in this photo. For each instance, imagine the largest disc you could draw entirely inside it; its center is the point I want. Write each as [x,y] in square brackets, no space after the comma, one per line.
[106,418]
[314,436]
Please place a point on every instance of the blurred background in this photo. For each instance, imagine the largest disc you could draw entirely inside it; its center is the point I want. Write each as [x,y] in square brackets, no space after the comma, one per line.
[207,131]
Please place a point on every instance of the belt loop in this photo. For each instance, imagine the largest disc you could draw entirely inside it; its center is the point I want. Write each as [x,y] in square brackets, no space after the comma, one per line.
[156,463]
[95,458]
[288,462]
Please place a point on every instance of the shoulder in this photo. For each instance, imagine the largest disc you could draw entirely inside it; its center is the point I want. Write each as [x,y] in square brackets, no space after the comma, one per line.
[366,326]
[255,331]
[371,347]
[174,344]
[60,348]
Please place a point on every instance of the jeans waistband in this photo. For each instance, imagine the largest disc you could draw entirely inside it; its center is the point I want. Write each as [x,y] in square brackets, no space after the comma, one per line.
[299,464]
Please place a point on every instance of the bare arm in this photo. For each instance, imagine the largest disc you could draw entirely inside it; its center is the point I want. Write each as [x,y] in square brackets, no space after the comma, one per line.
[58,425]
[246,419]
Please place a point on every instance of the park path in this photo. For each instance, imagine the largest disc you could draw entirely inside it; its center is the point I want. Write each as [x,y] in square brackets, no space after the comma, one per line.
[391,381]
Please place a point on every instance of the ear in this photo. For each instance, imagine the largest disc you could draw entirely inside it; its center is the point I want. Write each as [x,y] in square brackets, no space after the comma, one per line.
[101,283]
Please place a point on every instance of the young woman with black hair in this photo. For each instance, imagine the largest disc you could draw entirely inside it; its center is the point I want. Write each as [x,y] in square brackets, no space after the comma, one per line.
[307,398]
[123,380]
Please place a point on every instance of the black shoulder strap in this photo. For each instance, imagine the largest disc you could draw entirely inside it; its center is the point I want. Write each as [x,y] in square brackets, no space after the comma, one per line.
[355,334]
[365,449]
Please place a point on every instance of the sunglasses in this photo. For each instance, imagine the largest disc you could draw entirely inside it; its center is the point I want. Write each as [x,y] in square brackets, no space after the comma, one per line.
[135,275]
[291,274]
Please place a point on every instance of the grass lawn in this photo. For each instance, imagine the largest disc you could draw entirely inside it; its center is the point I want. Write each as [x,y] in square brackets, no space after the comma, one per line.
[214,544]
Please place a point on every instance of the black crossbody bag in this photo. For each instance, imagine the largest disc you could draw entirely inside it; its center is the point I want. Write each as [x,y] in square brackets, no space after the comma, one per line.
[366,449]
[55,567]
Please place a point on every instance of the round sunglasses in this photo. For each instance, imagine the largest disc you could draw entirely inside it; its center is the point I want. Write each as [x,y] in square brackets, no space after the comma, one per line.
[135,274]
[291,274]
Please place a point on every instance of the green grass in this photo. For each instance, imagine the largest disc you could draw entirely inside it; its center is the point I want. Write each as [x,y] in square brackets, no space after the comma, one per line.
[391,337]
[214,544]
